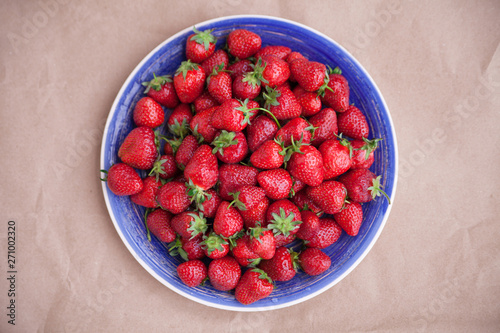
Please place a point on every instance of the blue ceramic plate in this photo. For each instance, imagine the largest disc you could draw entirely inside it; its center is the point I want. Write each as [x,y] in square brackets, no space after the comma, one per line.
[346,253]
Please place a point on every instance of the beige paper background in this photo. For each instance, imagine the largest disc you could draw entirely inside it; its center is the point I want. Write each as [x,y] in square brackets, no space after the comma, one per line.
[436,266]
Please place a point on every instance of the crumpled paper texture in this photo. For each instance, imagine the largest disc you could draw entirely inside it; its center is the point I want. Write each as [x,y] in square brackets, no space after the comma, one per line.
[436,266]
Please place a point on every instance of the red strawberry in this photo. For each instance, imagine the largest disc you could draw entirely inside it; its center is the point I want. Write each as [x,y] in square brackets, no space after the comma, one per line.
[232,176]
[350,218]
[147,196]
[189,80]
[297,186]
[328,233]
[336,158]
[314,261]
[219,84]
[292,56]
[268,156]
[243,43]
[204,101]
[325,122]
[210,205]
[247,197]
[215,60]
[276,183]
[304,203]
[189,224]
[259,131]
[362,185]
[253,286]
[158,222]
[309,101]
[224,273]
[233,115]
[245,262]
[246,85]
[202,173]
[282,240]
[178,122]
[139,148]
[186,151]
[148,113]
[281,267]
[192,273]
[310,225]
[241,248]
[283,217]
[123,179]
[200,125]
[329,196]
[262,242]
[335,93]
[310,75]
[162,90]
[276,71]
[173,197]
[215,246]
[171,145]
[240,67]
[230,147]
[352,123]
[306,164]
[228,221]
[297,128]
[282,103]
[362,153]
[192,248]
[200,45]
[165,167]
[255,215]
[279,51]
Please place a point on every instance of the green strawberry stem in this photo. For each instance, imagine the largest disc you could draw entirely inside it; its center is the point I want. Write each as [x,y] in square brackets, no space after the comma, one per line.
[146,213]
[198,225]
[346,143]
[376,189]
[175,248]
[185,67]
[369,146]
[224,140]
[197,195]
[157,82]
[157,169]
[236,202]
[263,275]
[105,172]
[179,130]
[213,242]
[282,223]
[203,37]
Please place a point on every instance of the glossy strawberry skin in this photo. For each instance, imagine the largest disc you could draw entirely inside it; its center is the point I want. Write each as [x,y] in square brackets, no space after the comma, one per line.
[288,106]
[215,60]
[268,156]
[186,151]
[276,183]
[339,98]
[228,220]
[259,131]
[280,267]
[296,129]
[148,112]
[210,205]
[350,218]
[314,261]
[234,153]
[232,176]
[139,149]
[243,89]
[276,71]
[307,166]
[168,167]
[240,67]
[220,86]
[227,117]
[301,200]
[147,196]
[279,51]
[328,233]
[202,170]
[357,182]
[310,225]
[255,215]
[326,123]
[192,273]
[252,287]
[359,160]
[182,222]
[164,93]
[193,248]
[336,159]
[243,43]
[224,273]
[179,119]
[329,196]
[309,101]
[310,75]
[352,123]
[284,208]
[201,124]
[242,250]
[190,87]
[173,197]
[263,244]
[158,222]
[198,52]
[122,179]
[204,101]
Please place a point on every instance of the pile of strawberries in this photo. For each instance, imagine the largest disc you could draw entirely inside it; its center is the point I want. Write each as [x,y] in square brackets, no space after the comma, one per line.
[261,144]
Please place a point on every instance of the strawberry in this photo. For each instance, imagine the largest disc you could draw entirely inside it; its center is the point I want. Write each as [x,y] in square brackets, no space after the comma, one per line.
[178,122]
[173,197]
[232,115]
[350,218]
[192,273]
[353,124]
[283,217]
[215,246]
[262,242]
[329,196]
[328,233]
[325,122]
[279,51]
[282,240]
[362,185]
[241,248]
[297,186]
[192,248]
[189,224]
[165,167]
[246,85]
[282,103]
[297,128]
[186,151]
[336,158]
[139,148]
[204,101]
[276,71]
[171,145]
[232,176]
[335,92]
[260,130]
[243,43]
[224,273]
[310,75]
[162,90]
[255,215]
[122,179]
[314,261]
[247,197]
[306,164]
[230,147]
[276,183]
[200,125]
[362,153]
[228,221]
[245,262]
[268,156]
[147,196]
[219,84]
[304,203]
[309,101]
[200,45]
[281,267]
[215,60]
[202,173]
[240,67]
[310,225]
[292,56]
[210,205]
[253,286]
[189,80]
[158,223]
[148,113]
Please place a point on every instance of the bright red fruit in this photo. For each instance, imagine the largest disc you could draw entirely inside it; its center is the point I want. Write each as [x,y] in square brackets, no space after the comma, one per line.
[232,176]
[283,217]
[276,183]
[253,286]
[162,90]
[148,112]
[189,224]
[328,233]
[338,97]
[173,197]
[281,267]
[259,131]
[215,246]
[200,45]
[189,80]
[186,151]
[147,196]
[158,222]
[352,123]
[210,205]
[279,51]
[350,218]
[362,185]
[307,165]
[298,129]
[269,156]
[200,124]
[139,148]
[192,272]
[325,122]
[329,196]
[215,60]
[122,179]
[276,71]
[219,84]
[336,158]
[314,261]
[230,147]
[224,273]
[232,115]
[282,103]
[309,101]
[178,122]
[227,220]
[204,101]
[310,225]
[362,153]
[310,75]
[243,43]
[262,242]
